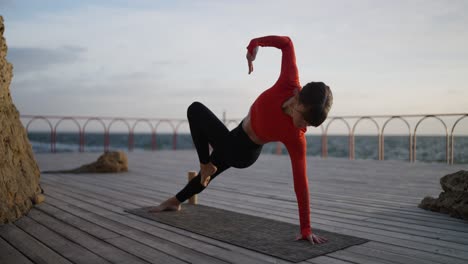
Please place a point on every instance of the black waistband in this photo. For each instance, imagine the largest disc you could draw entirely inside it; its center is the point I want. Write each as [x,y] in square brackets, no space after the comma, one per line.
[245,137]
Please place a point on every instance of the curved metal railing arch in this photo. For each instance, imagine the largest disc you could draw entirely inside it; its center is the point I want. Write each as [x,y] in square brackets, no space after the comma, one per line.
[99,120]
[322,129]
[173,129]
[176,129]
[352,136]
[144,120]
[52,132]
[410,139]
[326,137]
[79,131]
[67,118]
[132,132]
[446,135]
[309,129]
[452,138]
[107,137]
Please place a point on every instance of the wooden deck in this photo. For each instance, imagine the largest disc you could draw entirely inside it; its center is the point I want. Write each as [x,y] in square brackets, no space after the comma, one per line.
[82,220]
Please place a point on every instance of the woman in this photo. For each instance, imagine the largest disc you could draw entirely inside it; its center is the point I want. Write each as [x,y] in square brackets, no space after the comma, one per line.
[280,113]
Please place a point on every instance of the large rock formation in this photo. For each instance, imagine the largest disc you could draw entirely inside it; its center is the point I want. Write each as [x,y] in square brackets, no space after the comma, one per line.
[454,199]
[19,173]
[109,162]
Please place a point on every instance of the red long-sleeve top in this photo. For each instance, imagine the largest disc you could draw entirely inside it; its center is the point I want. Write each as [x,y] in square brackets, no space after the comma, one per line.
[270,123]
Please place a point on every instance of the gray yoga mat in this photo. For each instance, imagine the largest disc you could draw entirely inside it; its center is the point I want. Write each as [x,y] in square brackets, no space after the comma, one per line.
[264,235]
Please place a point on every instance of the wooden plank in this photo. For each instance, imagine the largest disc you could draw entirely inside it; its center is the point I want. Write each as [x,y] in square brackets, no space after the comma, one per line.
[179,155]
[172,235]
[384,255]
[269,205]
[399,241]
[421,243]
[131,246]
[234,253]
[383,227]
[77,221]
[401,219]
[366,204]
[358,258]
[107,196]
[397,238]
[97,246]
[414,253]
[418,227]
[215,249]
[328,260]
[143,251]
[135,180]
[188,250]
[410,229]
[9,254]
[32,248]
[404,231]
[60,244]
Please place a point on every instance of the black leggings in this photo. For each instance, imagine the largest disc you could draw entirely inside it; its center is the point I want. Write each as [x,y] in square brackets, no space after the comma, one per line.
[230,148]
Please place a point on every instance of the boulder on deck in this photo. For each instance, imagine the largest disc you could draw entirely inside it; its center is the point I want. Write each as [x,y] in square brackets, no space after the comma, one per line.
[454,199]
[109,162]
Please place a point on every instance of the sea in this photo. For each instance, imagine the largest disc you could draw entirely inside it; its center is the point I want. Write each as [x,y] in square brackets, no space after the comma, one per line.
[428,148]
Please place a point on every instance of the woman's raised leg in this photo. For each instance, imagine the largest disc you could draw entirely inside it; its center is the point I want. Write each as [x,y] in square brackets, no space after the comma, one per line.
[206,129]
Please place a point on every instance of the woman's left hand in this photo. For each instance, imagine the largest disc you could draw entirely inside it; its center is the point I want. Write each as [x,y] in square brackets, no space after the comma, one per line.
[312,238]
[251,58]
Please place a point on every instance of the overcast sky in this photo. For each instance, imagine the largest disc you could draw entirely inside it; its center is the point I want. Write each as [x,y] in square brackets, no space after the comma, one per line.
[153,58]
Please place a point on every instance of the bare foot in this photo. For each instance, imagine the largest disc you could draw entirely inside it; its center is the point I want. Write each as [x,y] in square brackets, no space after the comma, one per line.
[171,204]
[206,171]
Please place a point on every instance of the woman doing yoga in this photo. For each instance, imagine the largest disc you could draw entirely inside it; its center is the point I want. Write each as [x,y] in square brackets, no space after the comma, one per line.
[281,113]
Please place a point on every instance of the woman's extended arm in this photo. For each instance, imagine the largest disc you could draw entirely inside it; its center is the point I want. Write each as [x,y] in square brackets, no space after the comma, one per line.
[289,70]
[297,153]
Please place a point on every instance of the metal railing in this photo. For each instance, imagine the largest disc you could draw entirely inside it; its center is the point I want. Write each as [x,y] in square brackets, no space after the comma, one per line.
[175,124]
[111,120]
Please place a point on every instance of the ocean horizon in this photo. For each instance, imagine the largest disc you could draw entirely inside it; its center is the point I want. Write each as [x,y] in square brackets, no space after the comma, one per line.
[428,148]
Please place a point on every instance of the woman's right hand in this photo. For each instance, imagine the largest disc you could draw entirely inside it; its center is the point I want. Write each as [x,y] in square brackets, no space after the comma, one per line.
[312,238]
[251,58]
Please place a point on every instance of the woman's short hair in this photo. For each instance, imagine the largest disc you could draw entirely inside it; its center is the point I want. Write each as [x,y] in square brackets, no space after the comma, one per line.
[317,99]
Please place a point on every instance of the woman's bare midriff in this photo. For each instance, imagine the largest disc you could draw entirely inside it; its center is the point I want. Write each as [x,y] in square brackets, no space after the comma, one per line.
[246,125]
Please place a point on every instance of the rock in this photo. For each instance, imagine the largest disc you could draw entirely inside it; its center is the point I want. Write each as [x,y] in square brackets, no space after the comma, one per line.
[429,203]
[113,161]
[455,182]
[19,173]
[462,208]
[39,199]
[454,199]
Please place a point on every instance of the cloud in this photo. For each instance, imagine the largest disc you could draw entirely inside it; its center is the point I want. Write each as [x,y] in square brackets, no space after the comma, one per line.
[32,59]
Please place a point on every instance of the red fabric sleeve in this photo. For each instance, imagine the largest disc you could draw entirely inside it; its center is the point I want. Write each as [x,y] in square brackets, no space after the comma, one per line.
[289,70]
[297,153]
